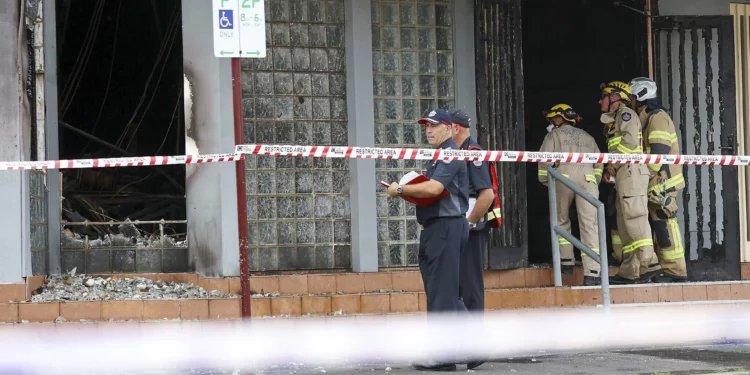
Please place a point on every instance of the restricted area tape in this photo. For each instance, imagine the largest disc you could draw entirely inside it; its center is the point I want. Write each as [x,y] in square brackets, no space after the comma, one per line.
[140,161]
[350,152]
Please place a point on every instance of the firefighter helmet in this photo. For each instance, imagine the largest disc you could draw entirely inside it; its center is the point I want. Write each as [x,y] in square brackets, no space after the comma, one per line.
[643,88]
[619,88]
[565,111]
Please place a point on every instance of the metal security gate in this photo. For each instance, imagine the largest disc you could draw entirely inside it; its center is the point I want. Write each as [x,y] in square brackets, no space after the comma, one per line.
[694,65]
[499,74]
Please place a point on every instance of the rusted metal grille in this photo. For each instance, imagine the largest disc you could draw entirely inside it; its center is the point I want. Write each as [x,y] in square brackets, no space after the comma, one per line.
[501,119]
[695,74]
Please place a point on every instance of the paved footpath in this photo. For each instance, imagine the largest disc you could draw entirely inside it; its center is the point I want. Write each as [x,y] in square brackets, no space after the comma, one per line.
[710,359]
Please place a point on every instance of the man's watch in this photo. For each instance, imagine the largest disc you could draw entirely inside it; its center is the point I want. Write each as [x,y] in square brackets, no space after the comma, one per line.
[472,225]
[400,189]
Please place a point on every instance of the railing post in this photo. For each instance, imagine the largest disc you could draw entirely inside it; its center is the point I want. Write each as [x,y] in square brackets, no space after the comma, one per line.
[551,188]
[603,255]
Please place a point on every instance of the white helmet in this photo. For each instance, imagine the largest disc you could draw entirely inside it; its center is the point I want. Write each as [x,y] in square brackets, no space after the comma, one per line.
[643,88]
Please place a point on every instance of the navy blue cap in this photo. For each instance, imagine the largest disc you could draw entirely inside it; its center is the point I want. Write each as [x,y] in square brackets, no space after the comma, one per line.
[460,117]
[436,116]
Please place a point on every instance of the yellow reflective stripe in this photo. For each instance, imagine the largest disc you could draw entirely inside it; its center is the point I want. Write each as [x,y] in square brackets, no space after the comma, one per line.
[598,172]
[616,240]
[672,182]
[635,245]
[676,236]
[542,172]
[590,178]
[614,141]
[625,150]
[594,249]
[663,135]
[492,215]
[563,241]
[673,254]
[654,167]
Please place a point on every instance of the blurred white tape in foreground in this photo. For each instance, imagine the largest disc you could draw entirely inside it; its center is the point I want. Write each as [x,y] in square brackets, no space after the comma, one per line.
[394,338]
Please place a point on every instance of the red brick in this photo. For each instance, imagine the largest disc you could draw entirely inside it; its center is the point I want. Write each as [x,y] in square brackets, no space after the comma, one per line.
[38,312]
[291,306]
[350,283]
[191,309]
[122,310]
[316,305]
[377,281]
[77,311]
[8,312]
[375,303]
[348,304]
[224,308]
[293,284]
[408,281]
[260,307]
[404,302]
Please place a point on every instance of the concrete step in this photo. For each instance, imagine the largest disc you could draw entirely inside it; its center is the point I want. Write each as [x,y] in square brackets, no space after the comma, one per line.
[386,292]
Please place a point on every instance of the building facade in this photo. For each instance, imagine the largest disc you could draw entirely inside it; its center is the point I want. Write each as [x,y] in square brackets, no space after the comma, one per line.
[361,72]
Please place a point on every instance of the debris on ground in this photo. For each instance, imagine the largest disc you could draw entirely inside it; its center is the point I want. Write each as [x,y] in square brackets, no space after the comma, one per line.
[72,287]
[127,235]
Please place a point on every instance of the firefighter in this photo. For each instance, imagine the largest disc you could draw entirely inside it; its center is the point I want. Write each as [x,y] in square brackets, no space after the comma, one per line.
[639,263]
[660,137]
[564,136]
[483,214]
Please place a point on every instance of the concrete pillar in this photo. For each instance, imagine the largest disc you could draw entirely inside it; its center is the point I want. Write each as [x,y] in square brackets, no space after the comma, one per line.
[361,133]
[213,241]
[463,42]
[14,145]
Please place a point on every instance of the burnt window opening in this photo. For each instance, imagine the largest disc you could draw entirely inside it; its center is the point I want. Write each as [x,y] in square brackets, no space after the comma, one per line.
[568,50]
[120,93]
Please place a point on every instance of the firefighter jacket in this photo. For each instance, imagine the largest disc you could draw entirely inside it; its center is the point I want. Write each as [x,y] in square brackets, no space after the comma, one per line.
[624,134]
[660,137]
[567,138]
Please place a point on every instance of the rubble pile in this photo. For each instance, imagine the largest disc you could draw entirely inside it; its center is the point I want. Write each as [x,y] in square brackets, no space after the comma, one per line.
[72,287]
[74,237]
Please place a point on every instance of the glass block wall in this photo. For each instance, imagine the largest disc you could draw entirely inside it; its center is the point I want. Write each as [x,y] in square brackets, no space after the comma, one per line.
[38,221]
[298,208]
[412,74]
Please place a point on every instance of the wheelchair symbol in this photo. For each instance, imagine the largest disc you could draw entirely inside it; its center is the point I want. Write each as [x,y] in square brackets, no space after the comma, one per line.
[226,18]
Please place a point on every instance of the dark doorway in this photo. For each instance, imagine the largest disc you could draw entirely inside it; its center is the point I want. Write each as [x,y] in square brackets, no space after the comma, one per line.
[120,82]
[569,49]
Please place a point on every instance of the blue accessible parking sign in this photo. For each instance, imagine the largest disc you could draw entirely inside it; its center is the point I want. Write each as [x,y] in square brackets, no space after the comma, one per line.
[226,19]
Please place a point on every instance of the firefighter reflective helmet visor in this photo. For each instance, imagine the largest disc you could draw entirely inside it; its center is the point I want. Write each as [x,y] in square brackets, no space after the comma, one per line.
[619,88]
[643,88]
[563,110]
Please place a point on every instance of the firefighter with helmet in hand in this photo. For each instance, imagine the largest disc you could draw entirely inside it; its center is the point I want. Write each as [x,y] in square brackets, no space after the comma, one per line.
[660,137]
[564,136]
[639,263]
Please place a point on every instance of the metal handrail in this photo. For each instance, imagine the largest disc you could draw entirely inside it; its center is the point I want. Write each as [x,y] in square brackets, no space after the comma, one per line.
[552,175]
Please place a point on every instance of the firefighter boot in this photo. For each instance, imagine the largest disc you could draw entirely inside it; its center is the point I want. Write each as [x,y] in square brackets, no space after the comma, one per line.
[591,281]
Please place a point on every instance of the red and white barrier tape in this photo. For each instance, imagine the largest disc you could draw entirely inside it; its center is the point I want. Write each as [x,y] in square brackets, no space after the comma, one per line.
[486,155]
[118,162]
[350,152]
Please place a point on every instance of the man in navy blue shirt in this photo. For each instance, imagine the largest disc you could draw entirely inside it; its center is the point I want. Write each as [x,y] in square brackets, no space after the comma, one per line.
[445,228]
[481,196]
[480,199]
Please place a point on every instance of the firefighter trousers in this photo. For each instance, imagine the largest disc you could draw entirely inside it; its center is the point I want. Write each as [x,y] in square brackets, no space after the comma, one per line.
[636,246]
[670,250]
[587,221]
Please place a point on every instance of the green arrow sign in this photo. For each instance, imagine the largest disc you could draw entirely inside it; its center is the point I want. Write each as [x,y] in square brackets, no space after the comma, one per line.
[226,52]
[253,53]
